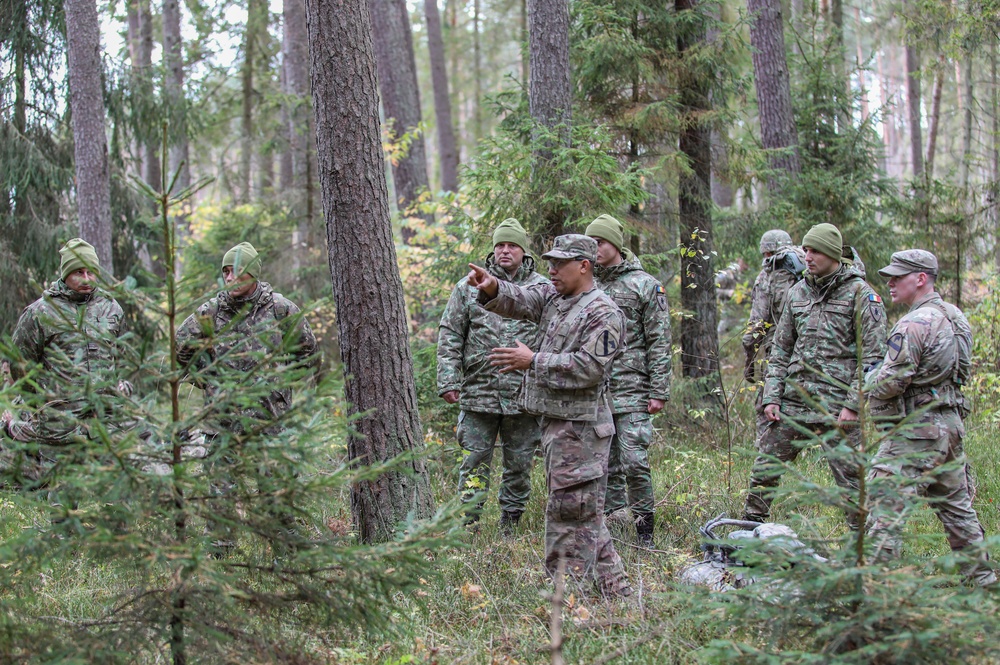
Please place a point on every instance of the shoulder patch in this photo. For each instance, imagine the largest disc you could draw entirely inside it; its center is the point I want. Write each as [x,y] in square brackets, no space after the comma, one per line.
[661,298]
[874,297]
[605,344]
[895,344]
[875,309]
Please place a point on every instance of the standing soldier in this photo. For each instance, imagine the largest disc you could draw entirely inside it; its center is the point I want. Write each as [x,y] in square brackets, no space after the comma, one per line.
[814,356]
[782,267]
[927,362]
[487,398]
[640,377]
[71,334]
[566,384]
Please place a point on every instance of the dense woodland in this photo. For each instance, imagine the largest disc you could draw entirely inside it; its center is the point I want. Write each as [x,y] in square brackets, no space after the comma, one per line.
[368,149]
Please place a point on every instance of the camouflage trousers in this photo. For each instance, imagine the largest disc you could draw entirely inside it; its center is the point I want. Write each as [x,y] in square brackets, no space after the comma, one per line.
[783,443]
[628,465]
[576,473]
[928,460]
[519,437]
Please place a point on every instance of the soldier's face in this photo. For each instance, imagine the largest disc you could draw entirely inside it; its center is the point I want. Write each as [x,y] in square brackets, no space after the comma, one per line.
[569,276]
[903,289]
[239,286]
[509,255]
[820,264]
[81,281]
[607,254]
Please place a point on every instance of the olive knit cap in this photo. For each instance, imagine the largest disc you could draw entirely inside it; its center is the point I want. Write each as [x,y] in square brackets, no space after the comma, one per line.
[510,230]
[244,259]
[825,239]
[75,254]
[608,228]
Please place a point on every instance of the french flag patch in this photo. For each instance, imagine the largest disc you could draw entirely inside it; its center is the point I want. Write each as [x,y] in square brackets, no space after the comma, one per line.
[874,297]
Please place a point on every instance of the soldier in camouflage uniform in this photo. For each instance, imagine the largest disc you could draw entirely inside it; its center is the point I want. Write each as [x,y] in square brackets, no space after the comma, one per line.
[782,267]
[468,333]
[640,377]
[566,384]
[927,361]
[71,334]
[814,355]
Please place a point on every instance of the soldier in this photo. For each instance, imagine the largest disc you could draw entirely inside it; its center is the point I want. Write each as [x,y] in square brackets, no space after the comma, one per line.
[71,333]
[487,398]
[815,354]
[566,384]
[927,362]
[782,267]
[640,377]
[227,343]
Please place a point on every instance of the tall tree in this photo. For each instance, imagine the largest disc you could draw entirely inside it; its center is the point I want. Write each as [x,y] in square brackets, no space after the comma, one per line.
[550,94]
[774,91]
[699,337]
[935,118]
[442,101]
[173,85]
[913,109]
[397,80]
[371,315]
[90,143]
[253,46]
[295,68]
[140,34]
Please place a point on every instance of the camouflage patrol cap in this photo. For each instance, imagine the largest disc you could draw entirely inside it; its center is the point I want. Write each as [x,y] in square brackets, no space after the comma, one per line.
[773,239]
[910,260]
[573,246]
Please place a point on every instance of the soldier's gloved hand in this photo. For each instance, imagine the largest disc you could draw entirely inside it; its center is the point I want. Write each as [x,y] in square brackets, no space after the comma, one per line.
[125,388]
[451,396]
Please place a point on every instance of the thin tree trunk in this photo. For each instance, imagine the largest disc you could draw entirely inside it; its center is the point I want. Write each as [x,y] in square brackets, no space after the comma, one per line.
[442,101]
[285,166]
[477,74]
[397,80]
[525,69]
[967,121]
[699,340]
[173,55]
[90,144]
[845,103]
[253,38]
[889,140]
[550,93]
[774,92]
[913,110]
[299,128]
[371,316]
[140,33]
[995,151]
[865,110]
[934,120]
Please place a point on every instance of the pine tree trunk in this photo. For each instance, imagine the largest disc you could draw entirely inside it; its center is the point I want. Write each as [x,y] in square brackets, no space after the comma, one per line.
[995,151]
[913,110]
[397,80]
[477,75]
[865,110]
[90,144]
[550,94]
[371,316]
[890,142]
[966,101]
[934,120]
[442,101]
[173,85]
[774,92]
[253,38]
[699,337]
[299,128]
[845,101]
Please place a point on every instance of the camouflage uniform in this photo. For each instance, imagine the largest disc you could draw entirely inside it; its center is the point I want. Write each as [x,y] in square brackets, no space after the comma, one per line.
[567,387]
[641,373]
[926,363]
[779,272]
[74,338]
[814,353]
[487,398]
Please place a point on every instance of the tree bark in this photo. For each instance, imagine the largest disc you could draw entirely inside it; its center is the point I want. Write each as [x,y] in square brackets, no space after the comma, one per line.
[397,80]
[699,336]
[299,128]
[550,93]
[477,75]
[965,105]
[865,111]
[845,102]
[140,30]
[442,101]
[890,141]
[774,92]
[371,316]
[173,85]
[90,143]
[913,110]
[253,37]
[935,119]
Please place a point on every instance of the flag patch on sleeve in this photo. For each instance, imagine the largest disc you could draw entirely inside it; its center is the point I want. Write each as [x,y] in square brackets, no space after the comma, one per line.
[874,297]
[659,289]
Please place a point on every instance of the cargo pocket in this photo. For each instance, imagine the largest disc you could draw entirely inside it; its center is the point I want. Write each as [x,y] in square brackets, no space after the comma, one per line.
[575,504]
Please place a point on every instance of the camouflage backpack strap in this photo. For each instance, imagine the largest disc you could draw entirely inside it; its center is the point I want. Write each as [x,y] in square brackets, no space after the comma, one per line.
[939,306]
[582,304]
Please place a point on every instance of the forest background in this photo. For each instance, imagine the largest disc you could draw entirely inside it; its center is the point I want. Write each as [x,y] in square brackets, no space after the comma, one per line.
[698,124]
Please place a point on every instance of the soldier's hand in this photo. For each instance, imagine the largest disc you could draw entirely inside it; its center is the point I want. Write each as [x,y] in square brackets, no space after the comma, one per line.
[512,359]
[772,412]
[655,406]
[451,396]
[482,280]
[846,415]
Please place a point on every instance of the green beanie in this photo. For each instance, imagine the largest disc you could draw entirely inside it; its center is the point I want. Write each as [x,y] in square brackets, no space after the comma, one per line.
[825,239]
[510,230]
[608,228]
[244,259]
[75,254]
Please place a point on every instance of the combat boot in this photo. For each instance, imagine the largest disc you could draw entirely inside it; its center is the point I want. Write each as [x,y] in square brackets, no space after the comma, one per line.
[509,520]
[644,531]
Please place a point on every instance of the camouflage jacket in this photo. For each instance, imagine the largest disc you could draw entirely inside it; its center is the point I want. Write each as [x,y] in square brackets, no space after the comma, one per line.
[643,370]
[580,338]
[767,299]
[74,338]
[815,350]
[227,339]
[929,352]
[467,335]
